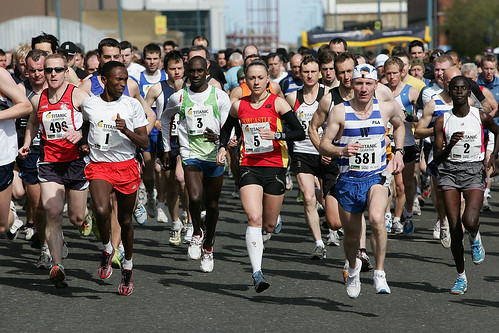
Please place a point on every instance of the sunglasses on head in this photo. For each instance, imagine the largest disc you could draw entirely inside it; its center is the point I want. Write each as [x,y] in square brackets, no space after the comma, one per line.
[58,70]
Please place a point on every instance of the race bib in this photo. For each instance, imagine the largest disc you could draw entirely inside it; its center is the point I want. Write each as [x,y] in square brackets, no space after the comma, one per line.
[305,118]
[468,148]
[198,118]
[174,125]
[38,137]
[253,143]
[368,157]
[54,121]
[106,136]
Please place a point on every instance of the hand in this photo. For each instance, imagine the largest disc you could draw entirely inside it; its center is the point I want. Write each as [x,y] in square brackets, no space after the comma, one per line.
[221,156]
[84,150]
[157,124]
[23,152]
[167,159]
[351,149]
[71,136]
[266,134]
[325,160]
[456,136]
[120,124]
[233,141]
[209,135]
[492,164]
[398,164]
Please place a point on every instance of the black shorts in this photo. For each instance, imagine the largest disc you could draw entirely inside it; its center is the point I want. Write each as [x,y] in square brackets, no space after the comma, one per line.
[29,169]
[70,174]
[272,179]
[174,152]
[6,175]
[410,153]
[306,163]
[329,177]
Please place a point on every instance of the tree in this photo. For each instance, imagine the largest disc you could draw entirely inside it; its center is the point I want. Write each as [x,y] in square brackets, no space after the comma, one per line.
[470,26]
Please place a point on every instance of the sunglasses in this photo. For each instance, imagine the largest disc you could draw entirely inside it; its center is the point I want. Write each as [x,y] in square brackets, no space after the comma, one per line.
[58,70]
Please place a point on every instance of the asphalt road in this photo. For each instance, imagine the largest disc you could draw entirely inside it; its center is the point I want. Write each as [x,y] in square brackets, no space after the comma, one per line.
[172,294]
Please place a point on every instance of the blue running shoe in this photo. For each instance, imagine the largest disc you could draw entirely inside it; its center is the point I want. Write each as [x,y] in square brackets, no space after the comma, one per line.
[477,250]
[278,227]
[460,287]
[408,226]
[259,281]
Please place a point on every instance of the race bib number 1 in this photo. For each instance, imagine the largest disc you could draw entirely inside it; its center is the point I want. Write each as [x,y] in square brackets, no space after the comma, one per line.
[198,118]
[106,136]
[253,143]
[54,122]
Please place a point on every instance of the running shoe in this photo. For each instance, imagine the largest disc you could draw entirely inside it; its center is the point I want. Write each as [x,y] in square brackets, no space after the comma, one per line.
[140,214]
[486,193]
[14,229]
[436,229]
[29,230]
[397,227]
[188,233]
[65,250]
[161,209]
[366,261]
[266,235]
[278,226]
[485,205]
[319,253]
[477,250]
[289,182]
[142,194]
[416,208]
[95,228]
[105,267]
[408,226]
[235,193]
[116,262]
[58,277]
[45,260]
[259,282]
[353,281]
[151,206]
[320,210]
[299,197]
[388,222]
[194,250]
[445,239]
[333,238]
[460,286]
[380,283]
[86,227]
[175,236]
[427,192]
[184,219]
[207,261]
[126,285]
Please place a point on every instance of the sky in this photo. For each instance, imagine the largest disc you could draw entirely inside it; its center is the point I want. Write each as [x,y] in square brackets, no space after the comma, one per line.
[294,16]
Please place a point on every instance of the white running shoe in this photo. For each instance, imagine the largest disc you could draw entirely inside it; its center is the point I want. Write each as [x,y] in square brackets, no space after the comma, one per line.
[397,227]
[45,260]
[175,238]
[436,230]
[65,250]
[445,239]
[380,283]
[140,214]
[207,261]
[416,208]
[319,253]
[194,250]
[142,194]
[188,233]
[161,209]
[333,238]
[353,281]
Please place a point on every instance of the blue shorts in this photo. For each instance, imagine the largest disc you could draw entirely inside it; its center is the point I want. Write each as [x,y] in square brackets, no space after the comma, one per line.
[6,175]
[29,169]
[153,143]
[351,193]
[209,169]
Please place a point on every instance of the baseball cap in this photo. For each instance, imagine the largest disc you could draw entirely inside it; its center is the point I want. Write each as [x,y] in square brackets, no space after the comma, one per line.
[70,48]
[380,60]
[360,72]
[416,62]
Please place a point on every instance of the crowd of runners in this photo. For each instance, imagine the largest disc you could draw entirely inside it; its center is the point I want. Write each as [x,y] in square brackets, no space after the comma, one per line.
[117,135]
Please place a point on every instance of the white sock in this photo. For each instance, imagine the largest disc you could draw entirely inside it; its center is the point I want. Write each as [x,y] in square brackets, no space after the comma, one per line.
[388,215]
[319,243]
[177,225]
[254,245]
[108,247]
[378,273]
[127,264]
[476,236]
[396,219]
[462,275]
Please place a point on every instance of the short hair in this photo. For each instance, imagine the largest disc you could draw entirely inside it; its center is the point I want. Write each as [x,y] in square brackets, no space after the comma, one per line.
[236,56]
[151,48]
[200,48]
[198,58]
[174,55]
[488,57]
[308,59]
[444,58]
[89,55]
[415,43]
[401,54]
[256,62]
[394,61]
[272,55]
[109,66]
[452,53]
[250,45]
[468,68]
[109,42]
[45,38]
[2,52]
[20,52]
[459,77]
[201,38]
[338,40]
[125,45]
[35,55]
[170,43]
[326,57]
[56,56]
[342,57]
[357,56]
[221,52]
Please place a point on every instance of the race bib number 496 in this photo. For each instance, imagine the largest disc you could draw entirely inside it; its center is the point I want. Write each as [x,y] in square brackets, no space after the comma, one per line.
[54,123]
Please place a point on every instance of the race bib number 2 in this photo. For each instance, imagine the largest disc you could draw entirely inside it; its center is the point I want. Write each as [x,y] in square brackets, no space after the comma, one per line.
[253,143]
[54,123]
[198,118]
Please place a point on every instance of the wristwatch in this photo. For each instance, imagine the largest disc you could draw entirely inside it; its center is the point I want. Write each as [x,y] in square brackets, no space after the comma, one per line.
[277,136]
[401,150]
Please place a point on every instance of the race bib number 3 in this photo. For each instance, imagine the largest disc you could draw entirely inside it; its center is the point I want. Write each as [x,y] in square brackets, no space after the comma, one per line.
[368,157]
[54,122]
[106,136]
[198,118]
[253,143]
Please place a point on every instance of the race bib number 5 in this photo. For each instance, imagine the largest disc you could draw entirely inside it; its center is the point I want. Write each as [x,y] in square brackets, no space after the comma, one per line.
[253,143]
[54,122]
[198,118]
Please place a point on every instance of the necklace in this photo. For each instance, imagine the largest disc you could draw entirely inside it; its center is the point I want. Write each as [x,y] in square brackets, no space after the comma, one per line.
[261,99]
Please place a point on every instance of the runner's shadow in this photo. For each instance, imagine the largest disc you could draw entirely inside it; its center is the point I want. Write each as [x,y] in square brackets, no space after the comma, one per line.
[477,303]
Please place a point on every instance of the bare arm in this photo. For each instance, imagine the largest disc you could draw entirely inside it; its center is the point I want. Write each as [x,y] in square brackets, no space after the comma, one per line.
[489,104]
[9,88]
[277,89]
[334,129]
[31,127]
[318,120]
[236,94]
[422,131]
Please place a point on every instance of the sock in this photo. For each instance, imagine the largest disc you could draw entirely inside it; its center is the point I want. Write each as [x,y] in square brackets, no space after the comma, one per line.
[396,219]
[121,248]
[127,264]
[379,273]
[254,245]
[319,243]
[462,275]
[474,237]
[352,271]
[108,247]
[177,225]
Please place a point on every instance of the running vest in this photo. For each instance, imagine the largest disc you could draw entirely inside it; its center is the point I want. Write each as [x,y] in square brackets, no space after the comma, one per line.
[371,157]
[256,151]
[96,89]
[145,85]
[406,105]
[471,148]
[440,109]
[167,92]
[304,112]
[23,122]
[195,119]
[8,135]
[53,117]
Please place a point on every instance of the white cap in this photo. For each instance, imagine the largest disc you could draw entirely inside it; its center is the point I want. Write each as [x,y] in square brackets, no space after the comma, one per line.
[364,71]
[380,60]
